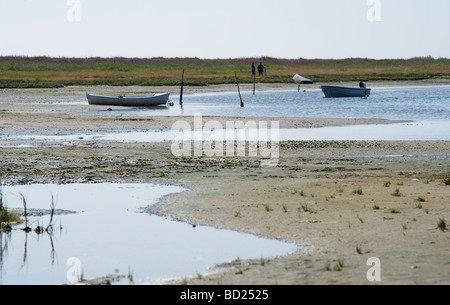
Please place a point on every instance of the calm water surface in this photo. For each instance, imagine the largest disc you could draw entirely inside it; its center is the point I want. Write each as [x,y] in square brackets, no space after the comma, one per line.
[394,103]
[428,109]
[109,234]
[399,103]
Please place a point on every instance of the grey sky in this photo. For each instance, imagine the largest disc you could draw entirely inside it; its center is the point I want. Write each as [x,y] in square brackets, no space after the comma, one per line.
[225,29]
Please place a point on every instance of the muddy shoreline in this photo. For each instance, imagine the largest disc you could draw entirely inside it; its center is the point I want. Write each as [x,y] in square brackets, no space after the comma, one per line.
[313,195]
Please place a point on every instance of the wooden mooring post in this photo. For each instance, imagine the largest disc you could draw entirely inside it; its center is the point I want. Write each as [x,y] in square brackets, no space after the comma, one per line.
[182,85]
[239,90]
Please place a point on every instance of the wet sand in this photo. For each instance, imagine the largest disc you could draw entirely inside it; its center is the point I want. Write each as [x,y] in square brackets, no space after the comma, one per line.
[310,198]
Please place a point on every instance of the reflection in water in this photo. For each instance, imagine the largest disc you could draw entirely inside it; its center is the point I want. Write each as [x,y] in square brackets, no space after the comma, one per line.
[6,239]
[25,251]
[109,235]
[52,253]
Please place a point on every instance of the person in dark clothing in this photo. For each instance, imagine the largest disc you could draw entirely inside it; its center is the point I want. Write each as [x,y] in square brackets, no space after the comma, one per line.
[260,69]
[362,85]
[253,69]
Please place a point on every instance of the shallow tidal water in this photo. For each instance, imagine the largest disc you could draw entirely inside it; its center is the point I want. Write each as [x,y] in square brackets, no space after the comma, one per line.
[109,234]
[392,103]
[427,110]
[405,131]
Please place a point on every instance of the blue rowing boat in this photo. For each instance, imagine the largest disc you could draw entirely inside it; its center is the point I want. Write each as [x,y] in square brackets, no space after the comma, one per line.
[338,91]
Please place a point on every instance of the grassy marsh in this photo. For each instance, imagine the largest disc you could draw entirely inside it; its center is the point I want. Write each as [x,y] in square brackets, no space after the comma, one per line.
[46,72]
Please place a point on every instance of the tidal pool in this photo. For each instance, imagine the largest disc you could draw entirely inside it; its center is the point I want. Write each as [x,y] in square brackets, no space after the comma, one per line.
[110,234]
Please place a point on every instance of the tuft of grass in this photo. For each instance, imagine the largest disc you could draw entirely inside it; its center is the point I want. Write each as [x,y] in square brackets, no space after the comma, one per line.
[267,207]
[359,250]
[6,217]
[306,208]
[358,192]
[376,207]
[285,209]
[404,227]
[337,268]
[237,213]
[262,261]
[419,206]
[81,276]
[446,181]
[400,173]
[421,199]
[387,183]
[49,228]
[339,265]
[442,225]
[396,193]
[25,212]
[130,275]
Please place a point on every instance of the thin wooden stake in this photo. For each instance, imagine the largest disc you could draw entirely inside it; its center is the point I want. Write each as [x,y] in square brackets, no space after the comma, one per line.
[182,85]
[239,90]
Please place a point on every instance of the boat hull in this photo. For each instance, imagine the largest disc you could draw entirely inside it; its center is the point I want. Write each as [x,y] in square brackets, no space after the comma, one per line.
[337,91]
[302,80]
[132,101]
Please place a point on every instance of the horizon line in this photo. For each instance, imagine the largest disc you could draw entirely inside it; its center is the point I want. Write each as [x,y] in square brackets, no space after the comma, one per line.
[223,58]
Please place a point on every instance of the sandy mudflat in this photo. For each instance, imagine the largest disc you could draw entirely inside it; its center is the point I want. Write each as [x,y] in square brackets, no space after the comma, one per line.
[310,195]
[315,183]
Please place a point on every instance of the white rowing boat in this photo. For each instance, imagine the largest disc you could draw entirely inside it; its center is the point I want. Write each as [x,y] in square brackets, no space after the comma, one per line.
[133,101]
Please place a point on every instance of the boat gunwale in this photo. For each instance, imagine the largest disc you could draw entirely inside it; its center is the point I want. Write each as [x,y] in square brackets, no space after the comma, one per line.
[345,87]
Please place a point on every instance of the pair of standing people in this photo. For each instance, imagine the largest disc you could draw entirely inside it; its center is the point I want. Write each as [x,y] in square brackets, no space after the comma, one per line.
[261,69]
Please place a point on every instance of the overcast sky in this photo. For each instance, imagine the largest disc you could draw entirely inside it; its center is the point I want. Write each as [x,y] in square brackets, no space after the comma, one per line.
[226,29]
